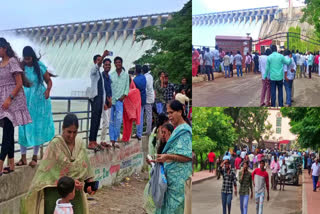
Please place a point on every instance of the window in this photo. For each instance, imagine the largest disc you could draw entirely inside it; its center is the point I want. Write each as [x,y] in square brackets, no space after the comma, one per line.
[279,121]
[278,124]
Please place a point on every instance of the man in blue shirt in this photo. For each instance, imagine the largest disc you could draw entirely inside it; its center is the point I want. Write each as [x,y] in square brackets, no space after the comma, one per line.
[141,83]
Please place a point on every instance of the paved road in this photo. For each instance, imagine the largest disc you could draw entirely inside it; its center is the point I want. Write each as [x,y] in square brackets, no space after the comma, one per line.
[245,91]
[206,199]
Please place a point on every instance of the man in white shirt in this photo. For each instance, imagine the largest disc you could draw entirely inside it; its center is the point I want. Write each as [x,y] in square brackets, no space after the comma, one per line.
[315,169]
[266,89]
[150,97]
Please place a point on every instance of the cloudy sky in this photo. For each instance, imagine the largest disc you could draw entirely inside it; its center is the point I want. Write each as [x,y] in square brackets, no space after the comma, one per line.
[22,13]
[207,6]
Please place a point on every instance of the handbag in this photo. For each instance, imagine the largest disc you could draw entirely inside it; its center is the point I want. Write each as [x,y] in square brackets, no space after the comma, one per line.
[158,184]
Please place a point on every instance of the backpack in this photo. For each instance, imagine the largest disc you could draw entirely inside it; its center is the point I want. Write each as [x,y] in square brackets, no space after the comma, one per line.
[158,184]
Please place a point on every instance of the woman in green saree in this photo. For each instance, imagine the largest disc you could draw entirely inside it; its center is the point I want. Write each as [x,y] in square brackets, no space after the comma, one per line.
[177,159]
[65,155]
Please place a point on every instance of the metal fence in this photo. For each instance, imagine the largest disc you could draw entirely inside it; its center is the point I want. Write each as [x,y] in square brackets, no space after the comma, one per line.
[83,118]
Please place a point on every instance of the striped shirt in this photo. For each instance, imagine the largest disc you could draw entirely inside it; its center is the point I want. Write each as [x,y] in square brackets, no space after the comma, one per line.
[229,180]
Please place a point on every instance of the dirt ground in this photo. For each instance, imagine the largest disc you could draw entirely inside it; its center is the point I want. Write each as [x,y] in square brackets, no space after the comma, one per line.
[126,197]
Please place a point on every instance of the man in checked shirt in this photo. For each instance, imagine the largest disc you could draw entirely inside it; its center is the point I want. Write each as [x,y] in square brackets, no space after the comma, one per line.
[229,180]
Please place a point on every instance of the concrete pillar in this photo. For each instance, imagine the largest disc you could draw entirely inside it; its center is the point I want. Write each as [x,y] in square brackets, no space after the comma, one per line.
[107,37]
[159,20]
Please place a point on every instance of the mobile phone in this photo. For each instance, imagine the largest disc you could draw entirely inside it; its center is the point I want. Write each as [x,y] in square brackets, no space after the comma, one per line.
[150,159]
[110,53]
[94,186]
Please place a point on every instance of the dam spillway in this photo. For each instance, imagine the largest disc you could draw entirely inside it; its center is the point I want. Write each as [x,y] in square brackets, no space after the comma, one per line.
[205,27]
[69,48]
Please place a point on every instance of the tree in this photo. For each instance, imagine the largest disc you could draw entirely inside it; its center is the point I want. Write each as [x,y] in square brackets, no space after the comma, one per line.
[295,42]
[211,130]
[250,124]
[171,51]
[305,122]
[311,14]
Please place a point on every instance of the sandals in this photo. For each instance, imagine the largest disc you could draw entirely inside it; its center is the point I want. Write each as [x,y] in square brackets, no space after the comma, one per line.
[7,170]
[21,163]
[95,147]
[33,160]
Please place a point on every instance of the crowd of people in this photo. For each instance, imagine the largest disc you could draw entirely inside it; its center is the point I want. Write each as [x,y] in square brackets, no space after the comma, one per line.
[117,97]
[278,69]
[234,167]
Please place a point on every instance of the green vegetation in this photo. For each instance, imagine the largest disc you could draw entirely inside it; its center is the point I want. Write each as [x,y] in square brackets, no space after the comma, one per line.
[311,14]
[295,43]
[305,122]
[171,51]
[219,128]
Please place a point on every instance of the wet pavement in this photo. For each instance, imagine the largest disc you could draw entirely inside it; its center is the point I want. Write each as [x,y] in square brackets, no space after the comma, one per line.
[245,91]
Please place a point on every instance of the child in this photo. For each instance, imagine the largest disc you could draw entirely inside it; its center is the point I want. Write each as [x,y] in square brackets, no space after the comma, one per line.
[66,188]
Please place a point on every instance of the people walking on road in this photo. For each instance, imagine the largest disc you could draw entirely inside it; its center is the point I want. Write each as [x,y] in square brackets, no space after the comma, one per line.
[309,164]
[218,168]
[275,167]
[274,66]
[226,63]
[315,174]
[248,63]
[283,172]
[260,179]
[195,62]
[229,182]
[211,157]
[237,165]
[208,64]
[216,58]
[245,181]
[238,62]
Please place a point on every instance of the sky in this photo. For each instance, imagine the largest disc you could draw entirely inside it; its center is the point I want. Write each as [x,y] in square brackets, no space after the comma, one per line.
[208,6]
[30,13]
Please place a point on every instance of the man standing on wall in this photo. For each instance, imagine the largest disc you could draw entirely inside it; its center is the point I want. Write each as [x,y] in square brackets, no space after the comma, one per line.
[96,94]
[107,106]
[159,93]
[141,84]
[150,97]
[120,89]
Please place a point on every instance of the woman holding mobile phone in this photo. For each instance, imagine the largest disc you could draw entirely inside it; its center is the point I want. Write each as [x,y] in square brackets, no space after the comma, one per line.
[65,155]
